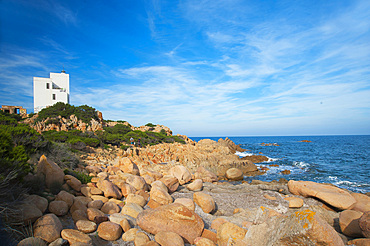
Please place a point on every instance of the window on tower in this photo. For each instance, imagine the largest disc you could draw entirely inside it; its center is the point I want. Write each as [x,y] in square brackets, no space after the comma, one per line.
[47,86]
[54,97]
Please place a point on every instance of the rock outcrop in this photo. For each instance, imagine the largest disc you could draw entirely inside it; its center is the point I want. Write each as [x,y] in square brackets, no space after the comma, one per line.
[332,195]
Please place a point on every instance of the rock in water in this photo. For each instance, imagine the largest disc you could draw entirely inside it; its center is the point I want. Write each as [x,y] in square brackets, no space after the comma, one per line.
[330,194]
[174,217]
[51,172]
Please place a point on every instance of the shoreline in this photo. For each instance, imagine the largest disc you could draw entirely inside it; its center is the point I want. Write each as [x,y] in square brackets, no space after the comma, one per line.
[145,189]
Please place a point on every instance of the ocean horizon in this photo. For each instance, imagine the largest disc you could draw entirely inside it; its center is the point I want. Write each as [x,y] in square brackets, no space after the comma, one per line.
[341,160]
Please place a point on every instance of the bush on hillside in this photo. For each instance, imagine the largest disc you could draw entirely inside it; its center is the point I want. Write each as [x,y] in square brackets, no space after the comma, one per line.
[150,125]
[72,137]
[84,112]
[16,117]
[17,142]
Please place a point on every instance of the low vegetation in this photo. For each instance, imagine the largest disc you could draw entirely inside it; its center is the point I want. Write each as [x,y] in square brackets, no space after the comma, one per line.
[84,112]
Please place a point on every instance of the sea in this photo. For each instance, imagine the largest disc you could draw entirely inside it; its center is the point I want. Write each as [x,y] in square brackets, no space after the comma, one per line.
[341,160]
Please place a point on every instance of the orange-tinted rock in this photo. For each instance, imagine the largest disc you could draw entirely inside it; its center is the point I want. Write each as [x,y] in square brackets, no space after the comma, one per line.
[173,217]
[133,198]
[364,223]
[362,202]
[171,182]
[127,189]
[137,182]
[129,235]
[168,238]
[93,214]
[332,195]
[109,231]
[86,226]
[75,236]
[204,201]
[196,185]
[132,209]
[141,239]
[216,223]
[234,174]
[360,242]
[110,208]
[209,235]
[182,174]
[127,166]
[201,241]
[187,202]
[205,175]
[229,230]
[153,204]
[109,189]
[348,222]
[160,196]
[294,202]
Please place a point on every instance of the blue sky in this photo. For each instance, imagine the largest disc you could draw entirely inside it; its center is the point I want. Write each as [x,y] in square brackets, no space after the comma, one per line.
[203,68]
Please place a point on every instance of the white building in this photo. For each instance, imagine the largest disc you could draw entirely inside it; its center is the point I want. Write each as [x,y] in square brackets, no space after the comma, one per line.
[48,91]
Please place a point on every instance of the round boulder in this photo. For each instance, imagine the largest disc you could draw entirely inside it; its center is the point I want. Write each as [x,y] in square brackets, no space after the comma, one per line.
[109,231]
[196,185]
[234,174]
[59,208]
[204,201]
[48,228]
[86,226]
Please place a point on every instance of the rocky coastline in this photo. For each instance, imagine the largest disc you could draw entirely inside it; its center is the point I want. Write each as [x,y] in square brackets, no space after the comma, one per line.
[187,194]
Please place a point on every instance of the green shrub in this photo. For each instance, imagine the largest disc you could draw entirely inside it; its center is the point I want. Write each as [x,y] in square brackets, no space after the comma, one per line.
[17,142]
[15,117]
[12,157]
[84,112]
[54,121]
[72,137]
[93,142]
[150,125]
[83,177]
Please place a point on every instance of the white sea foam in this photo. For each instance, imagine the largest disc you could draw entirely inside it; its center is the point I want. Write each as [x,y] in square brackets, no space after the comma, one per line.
[243,154]
[301,164]
[271,159]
